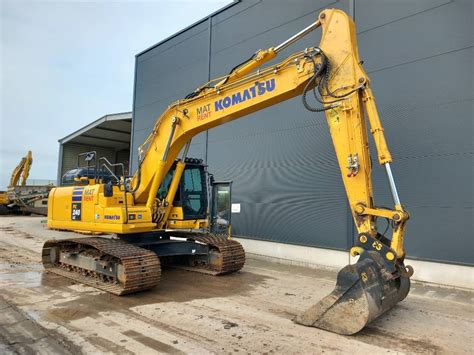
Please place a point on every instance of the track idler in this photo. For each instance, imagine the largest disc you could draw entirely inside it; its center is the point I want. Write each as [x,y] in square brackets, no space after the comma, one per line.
[363,292]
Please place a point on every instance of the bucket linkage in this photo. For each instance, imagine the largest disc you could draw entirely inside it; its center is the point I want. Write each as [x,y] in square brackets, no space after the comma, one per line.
[364,290]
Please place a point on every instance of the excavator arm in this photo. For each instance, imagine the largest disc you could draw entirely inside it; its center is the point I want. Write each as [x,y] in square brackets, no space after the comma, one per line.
[22,170]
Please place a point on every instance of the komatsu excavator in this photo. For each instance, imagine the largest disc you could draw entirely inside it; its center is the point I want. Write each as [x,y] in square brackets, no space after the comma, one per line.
[154,215]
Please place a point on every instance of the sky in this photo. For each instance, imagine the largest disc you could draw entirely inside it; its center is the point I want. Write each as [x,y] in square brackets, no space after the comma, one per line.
[63,64]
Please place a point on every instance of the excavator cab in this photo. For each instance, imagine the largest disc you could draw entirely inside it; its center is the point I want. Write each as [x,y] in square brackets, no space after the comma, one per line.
[200,202]
[190,203]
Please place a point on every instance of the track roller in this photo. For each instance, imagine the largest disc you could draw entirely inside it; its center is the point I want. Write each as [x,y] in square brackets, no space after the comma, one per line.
[107,264]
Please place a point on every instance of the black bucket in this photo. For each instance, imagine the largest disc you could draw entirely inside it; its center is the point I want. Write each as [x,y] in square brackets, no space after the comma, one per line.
[363,292]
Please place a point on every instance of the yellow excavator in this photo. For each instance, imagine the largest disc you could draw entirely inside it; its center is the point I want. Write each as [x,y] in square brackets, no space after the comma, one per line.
[160,214]
[21,171]
[21,198]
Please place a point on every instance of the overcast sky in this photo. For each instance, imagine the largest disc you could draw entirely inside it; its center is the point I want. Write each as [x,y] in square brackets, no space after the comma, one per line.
[66,63]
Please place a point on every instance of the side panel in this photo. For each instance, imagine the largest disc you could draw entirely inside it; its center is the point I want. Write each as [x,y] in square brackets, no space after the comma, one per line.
[419,57]
[86,208]
[281,160]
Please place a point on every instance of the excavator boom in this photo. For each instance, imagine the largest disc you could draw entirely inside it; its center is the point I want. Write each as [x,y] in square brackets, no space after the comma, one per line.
[22,170]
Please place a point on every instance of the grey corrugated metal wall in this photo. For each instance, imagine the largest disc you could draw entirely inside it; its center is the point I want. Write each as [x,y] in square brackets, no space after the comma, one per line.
[419,57]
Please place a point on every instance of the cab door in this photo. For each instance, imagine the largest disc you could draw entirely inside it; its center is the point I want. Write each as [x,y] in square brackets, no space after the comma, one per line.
[221,194]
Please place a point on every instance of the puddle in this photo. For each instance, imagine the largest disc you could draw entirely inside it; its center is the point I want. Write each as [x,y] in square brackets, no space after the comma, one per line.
[17,275]
[68,313]
[87,302]
[16,267]
[375,336]
[21,279]
[58,314]
[175,286]
[152,343]
[108,346]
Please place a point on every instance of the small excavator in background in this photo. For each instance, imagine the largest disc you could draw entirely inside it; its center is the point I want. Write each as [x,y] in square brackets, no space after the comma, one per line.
[21,198]
[159,215]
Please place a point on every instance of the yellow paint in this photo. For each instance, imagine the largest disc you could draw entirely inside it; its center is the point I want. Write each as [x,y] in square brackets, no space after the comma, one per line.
[178,172]
[356,251]
[22,170]
[187,224]
[377,245]
[390,256]
[333,117]
[4,200]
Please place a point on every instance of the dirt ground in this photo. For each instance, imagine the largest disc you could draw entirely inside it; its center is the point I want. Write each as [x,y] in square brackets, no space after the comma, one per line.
[247,312]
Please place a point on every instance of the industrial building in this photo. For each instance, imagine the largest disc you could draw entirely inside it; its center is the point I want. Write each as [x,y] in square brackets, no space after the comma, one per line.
[109,136]
[286,182]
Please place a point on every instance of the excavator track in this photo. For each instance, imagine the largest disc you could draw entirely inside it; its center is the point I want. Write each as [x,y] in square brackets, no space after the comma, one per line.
[138,269]
[229,255]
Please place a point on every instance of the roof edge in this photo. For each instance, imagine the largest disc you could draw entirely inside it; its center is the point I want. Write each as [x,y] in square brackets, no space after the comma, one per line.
[93,124]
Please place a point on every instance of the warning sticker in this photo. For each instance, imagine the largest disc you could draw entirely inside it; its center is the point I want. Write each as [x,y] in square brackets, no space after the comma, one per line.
[235,208]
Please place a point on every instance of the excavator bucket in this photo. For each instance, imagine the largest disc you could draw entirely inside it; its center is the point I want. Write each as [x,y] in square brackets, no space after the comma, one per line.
[363,292]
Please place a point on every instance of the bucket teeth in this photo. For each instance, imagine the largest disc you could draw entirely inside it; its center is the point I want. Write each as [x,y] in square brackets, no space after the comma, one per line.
[363,292]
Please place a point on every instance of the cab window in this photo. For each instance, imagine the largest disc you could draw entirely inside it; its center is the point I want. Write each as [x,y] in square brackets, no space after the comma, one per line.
[165,185]
[194,196]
